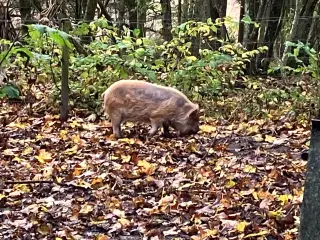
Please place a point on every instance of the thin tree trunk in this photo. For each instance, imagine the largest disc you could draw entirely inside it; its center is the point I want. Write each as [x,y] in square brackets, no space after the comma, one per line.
[313,37]
[241,24]
[218,9]
[301,24]
[272,30]
[142,16]
[25,11]
[64,109]
[179,12]
[185,10]
[90,10]
[166,19]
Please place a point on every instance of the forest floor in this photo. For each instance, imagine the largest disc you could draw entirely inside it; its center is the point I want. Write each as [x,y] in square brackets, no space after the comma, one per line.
[229,181]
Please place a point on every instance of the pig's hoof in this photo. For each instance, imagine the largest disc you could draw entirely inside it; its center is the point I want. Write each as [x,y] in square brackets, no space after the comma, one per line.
[167,135]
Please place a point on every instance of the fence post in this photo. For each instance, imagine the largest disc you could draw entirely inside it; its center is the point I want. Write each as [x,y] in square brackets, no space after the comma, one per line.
[310,208]
[64,108]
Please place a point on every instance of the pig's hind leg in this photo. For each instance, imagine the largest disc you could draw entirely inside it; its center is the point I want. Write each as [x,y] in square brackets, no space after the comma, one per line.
[116,125]
[166,132]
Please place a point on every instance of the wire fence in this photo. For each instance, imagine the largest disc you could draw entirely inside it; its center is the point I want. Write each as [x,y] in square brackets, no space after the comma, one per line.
[269,19]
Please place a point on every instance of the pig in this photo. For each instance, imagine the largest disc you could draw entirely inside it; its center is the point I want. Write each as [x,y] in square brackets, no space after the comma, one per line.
[141,101]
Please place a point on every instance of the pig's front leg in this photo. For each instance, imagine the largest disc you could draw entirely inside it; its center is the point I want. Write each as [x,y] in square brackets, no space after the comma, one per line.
[154,127]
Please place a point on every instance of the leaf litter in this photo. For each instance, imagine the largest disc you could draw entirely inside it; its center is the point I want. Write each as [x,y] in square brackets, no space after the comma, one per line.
[75,181]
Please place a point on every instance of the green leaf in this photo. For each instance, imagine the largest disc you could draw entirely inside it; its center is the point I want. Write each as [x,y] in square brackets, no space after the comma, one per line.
[191,58]
[84,75]
[136,32]
[23,49]
[10,91]
[139,41]
[139,52]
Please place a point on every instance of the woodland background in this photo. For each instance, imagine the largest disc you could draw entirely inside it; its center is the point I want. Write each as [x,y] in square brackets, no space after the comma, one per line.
[252,65]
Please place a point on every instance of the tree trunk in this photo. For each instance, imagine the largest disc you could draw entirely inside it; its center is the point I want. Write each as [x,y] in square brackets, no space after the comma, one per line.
[185,10]
[218,9]
[78,11]
[194,14]
[166,19]
[250,39]
[90,10]
[179,12]
[313,38]
[304,20]
[300,27]
[241,24]
[133,14]
[84,4]
[142,16]
[64,109]
[270,32]
[25,11]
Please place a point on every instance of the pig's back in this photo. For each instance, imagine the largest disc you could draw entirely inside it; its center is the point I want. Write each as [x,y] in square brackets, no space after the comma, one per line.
[126,91]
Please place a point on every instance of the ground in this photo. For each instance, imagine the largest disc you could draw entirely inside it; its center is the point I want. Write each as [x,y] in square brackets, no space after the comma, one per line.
[230,181]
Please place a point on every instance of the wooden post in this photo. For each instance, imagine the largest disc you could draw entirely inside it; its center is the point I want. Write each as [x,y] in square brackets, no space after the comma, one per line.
[64,108]
[310,209]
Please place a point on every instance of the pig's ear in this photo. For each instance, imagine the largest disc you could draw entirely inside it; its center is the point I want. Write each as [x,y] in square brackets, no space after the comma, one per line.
[194,114]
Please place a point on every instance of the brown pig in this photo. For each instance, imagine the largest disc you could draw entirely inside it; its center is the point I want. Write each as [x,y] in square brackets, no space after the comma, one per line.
[140,101]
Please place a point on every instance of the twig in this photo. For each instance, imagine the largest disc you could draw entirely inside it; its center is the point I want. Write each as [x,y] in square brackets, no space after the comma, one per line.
[44,181]
[10,48]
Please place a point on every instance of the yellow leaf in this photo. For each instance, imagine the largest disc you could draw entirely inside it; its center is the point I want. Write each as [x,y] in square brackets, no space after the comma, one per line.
[102,237]
[276,214]
[126,158]
[17,125]
[255,195]
[72,150]
[258,138]
[209,233]
[17,159]
[8,152]
[249,169]
[256,234]
[44,229]
[27,151]
[127,140]
[22,188]
[124,222]
[2,196]
[253,129]
[284,198]
[129,124]
[64,135]
[146,167]
[39,137]
[44,156]
[269,139]
[241,226]
[75,124]
[230,184]
[76,139]
[208,128]
[86,208]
